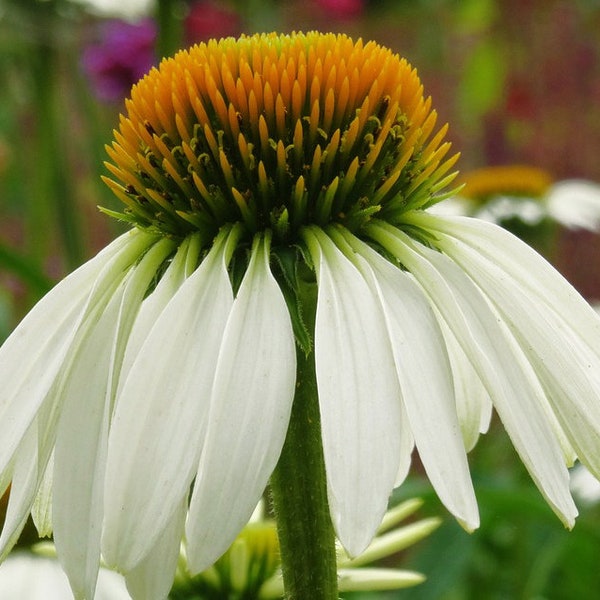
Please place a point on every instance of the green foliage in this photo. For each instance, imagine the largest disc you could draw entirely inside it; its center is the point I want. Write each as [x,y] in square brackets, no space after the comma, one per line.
[483,82]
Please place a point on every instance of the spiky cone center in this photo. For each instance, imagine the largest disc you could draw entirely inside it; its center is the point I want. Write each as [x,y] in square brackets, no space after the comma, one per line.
[277,132]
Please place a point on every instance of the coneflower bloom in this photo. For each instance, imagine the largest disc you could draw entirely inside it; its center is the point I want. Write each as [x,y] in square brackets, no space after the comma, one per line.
[278,189]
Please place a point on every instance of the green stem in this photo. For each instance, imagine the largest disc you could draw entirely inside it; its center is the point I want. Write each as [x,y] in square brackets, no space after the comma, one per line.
[53,199]
[299,491]
[169,27]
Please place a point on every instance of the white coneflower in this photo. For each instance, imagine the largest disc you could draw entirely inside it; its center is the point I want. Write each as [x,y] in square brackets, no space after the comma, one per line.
[502,194]
[285,309]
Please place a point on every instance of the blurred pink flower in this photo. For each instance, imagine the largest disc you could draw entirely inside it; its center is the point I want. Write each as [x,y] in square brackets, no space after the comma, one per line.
[123,54]
[208,19]
[342,8]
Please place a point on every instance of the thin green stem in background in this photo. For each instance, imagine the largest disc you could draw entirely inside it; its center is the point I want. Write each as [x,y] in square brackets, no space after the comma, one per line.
[169,22]
[53,201]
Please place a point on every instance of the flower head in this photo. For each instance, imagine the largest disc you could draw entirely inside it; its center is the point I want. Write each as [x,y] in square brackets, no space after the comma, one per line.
[278,187]
[278,133]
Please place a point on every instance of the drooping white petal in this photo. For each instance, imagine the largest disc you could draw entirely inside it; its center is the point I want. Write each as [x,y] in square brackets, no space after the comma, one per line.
[575,204]
[152,578]
[160,419]
[521,262]
[407,445]
[426,383]
[557,342]
[508,378]
[22,492]
[80,456]
[41,511]
[88,386]
[249,413]
[28,471]
[32,356]
[76,298]
[359,396]
[473,404]
[154,304]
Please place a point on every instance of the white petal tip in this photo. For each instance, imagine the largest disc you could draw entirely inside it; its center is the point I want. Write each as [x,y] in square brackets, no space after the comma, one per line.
[470,524]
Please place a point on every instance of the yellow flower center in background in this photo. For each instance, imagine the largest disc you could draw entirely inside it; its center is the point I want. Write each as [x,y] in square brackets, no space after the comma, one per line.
[512,180]
[277,132]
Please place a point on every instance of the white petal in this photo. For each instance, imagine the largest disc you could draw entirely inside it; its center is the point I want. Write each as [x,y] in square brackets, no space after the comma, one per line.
[32,356]
[80,451]
[521,263]
[29,469]
[111,586]
[508,378]
[153,577]
[154,304]
[407,445]
[41,512]
[473,404]
[427,387]
[22,491]
[575,204]
[160,419]
[554,339]
[79,458]
[249,413]
[359,396]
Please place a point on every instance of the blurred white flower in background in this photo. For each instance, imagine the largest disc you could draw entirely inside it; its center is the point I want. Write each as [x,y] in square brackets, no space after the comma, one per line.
[503,193]
[33,576]
[128,9]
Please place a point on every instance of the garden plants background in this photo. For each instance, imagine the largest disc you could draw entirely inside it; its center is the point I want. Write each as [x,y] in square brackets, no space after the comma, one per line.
[519,82]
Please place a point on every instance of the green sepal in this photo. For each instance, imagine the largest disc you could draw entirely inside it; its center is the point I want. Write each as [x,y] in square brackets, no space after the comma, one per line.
[120,216]
[288,261]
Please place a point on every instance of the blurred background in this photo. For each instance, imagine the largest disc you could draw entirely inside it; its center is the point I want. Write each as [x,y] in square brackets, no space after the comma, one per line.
[519,83]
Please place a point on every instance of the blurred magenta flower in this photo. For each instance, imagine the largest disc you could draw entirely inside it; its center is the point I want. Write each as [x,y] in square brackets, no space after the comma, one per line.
[342,8]
[123,54]
[210,20]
